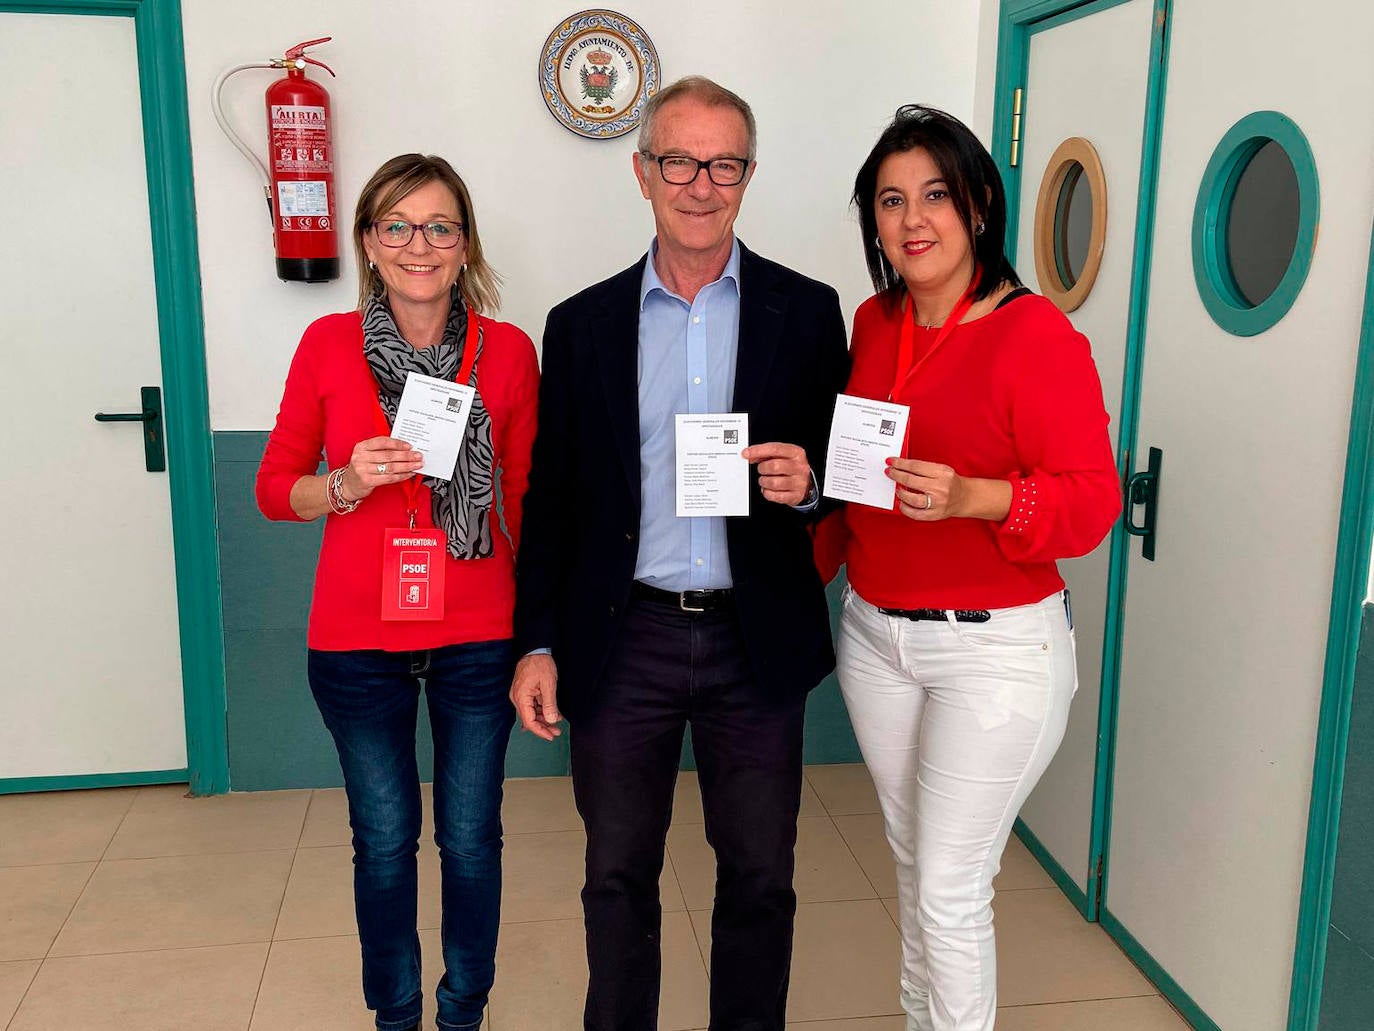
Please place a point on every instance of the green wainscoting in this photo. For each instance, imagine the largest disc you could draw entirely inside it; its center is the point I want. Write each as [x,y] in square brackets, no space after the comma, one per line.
[1347,999]
[276,738]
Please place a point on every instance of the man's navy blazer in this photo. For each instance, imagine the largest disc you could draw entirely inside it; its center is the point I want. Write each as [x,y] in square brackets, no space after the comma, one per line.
[580,539]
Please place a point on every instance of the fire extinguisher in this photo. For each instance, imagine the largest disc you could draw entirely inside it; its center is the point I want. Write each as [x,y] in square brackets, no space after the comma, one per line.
[300,186]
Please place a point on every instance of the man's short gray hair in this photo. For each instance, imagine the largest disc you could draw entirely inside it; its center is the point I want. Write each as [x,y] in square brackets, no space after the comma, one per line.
[701,89]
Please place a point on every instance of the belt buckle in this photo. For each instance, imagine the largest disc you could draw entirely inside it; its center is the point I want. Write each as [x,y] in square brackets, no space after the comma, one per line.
[682,602]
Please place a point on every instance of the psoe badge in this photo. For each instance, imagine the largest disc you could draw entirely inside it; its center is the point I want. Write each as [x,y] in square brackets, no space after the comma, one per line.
[597,72]
[413,564]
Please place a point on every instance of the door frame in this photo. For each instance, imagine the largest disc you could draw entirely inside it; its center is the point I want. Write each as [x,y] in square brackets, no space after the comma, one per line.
[190,460]
[1019,20]
[1350,580]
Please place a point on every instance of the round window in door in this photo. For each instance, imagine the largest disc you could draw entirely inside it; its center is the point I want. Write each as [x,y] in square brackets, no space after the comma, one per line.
[1255,223]
[1070,223]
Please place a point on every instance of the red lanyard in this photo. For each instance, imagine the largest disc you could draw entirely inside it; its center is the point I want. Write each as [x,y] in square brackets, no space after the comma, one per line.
[906,341]
[414,486]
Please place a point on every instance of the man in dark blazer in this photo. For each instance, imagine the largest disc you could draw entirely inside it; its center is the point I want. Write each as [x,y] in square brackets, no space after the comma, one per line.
[636,623]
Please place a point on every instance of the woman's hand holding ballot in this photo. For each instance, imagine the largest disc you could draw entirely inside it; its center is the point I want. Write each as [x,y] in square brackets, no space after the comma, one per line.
[928,491]
[378,461]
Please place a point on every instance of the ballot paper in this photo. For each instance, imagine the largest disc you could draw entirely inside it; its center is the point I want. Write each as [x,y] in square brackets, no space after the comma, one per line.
[433,419]
[863,436]
[712,475]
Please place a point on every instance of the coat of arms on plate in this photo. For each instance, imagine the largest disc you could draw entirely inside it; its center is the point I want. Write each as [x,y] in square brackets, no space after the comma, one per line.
[596,72]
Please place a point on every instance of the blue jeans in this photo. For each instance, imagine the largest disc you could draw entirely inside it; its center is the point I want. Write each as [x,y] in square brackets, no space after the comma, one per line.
[369,701]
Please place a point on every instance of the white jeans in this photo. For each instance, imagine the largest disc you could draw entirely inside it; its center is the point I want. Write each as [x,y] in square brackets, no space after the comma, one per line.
[957,722]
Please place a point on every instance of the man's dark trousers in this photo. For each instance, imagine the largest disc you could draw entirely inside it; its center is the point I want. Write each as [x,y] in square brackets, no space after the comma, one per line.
[669,669]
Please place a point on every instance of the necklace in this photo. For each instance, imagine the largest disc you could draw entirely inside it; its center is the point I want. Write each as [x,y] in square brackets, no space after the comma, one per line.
[933,322]
[936,323]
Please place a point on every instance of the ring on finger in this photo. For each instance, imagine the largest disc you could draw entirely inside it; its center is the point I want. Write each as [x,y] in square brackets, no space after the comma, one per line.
[929,502]
[381,469]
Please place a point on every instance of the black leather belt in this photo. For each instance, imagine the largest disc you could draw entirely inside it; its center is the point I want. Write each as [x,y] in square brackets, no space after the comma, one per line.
[941,615]
[687,601]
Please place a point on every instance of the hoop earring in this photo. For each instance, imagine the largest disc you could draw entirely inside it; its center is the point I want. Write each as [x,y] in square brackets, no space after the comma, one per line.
[878,243]
[982,228]
[372,265]
[462,270]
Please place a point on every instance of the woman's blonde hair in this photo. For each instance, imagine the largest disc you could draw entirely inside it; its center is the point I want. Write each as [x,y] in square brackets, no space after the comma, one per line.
[398,178]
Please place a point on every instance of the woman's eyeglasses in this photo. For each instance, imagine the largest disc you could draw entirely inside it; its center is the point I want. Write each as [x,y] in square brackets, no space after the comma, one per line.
[397,233]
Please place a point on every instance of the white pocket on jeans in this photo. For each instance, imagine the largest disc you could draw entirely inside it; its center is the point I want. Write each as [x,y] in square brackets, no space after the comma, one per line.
[1014,631]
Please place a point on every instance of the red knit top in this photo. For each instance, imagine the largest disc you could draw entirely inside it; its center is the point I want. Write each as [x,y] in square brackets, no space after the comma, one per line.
[1013,395]
[330,404]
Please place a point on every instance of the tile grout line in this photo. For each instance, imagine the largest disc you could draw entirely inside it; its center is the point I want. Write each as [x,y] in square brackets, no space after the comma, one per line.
[1074,1002]
[687,910]
[75,902]
[32,978]
[271,850]
[41,866]
[528,834]
[850,849]
[85,887]
[160,948]
[832,817]
[197,855]
[32,866]
[670,866]
[281,904]
[295,851]
[806,779]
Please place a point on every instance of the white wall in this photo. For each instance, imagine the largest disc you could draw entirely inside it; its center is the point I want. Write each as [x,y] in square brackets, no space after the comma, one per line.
[986,84]
[556,212]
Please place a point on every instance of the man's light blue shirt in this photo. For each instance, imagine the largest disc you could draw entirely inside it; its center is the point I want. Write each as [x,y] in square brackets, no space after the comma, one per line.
[687,353]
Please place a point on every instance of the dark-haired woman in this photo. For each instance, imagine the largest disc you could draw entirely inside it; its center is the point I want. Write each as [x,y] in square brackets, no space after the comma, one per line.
[378,628]
[956,654]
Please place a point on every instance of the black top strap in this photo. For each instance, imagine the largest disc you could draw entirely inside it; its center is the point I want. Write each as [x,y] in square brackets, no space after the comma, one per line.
[1020,291]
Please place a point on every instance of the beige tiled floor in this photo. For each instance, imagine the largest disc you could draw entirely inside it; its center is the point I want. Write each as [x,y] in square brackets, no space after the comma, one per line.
[140,908]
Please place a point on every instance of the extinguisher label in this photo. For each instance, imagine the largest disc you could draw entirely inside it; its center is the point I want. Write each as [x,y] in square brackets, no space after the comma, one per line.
[297,116]
[300,139]
[302,201]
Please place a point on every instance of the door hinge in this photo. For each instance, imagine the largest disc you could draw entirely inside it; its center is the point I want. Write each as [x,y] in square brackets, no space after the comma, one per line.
[1016,126]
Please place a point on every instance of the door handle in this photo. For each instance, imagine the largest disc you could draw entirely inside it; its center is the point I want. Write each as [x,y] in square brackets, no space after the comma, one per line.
[1143,489]
[154,452]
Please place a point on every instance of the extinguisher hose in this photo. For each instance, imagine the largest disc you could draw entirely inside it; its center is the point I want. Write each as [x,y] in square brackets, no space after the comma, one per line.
[243,148]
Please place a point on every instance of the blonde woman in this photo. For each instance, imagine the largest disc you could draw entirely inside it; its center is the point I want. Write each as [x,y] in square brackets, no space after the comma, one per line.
[374,635]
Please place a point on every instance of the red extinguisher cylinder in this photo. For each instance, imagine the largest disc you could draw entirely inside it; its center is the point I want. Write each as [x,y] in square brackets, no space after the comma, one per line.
[304,209]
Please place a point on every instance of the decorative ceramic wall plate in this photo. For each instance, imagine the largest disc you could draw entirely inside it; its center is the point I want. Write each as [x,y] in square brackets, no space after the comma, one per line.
[597,71]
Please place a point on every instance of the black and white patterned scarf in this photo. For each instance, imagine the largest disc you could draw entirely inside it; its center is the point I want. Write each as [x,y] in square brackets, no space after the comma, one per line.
[462,508]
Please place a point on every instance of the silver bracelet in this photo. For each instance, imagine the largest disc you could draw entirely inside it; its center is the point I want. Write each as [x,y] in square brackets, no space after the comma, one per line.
[333,490]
